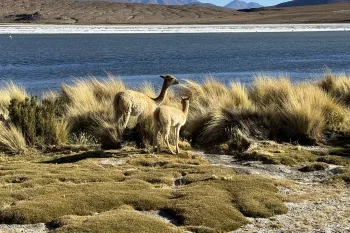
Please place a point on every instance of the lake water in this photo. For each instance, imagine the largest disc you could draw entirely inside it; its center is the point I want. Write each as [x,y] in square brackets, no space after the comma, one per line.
[42,62]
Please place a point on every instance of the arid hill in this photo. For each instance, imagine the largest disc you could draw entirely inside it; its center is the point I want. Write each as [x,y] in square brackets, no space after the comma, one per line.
[71,12]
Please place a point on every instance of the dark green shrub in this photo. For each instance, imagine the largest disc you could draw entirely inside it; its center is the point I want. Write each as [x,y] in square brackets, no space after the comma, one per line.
[37,120]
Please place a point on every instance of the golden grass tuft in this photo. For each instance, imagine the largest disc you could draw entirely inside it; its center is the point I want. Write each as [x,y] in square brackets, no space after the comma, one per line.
[208,99]
[308,111]
[147,88]
[62,131]
[274,109]
[90,108]
[268,91]
[240,95]
[8,92]
[11,139]
[108,88]
[302,114]
[337,86]
[222,124]
[51,96]
[91,95]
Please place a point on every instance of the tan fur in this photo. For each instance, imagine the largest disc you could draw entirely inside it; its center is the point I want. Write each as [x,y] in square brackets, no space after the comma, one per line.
[132,103]
[166,117]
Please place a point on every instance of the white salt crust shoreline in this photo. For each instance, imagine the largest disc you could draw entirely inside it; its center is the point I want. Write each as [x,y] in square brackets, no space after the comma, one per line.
[130,29]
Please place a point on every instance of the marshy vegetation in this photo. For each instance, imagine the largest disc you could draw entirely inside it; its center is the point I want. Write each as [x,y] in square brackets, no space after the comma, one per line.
[74,191]
[268,109]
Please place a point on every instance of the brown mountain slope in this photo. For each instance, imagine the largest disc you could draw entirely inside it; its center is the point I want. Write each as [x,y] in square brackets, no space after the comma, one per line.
[67,11]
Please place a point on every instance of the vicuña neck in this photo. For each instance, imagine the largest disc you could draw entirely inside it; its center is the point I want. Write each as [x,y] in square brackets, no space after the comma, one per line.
[185,107]
[162,93]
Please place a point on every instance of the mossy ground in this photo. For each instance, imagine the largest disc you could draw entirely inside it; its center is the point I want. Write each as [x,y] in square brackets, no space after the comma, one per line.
[317,166]
[278,154]
[123,219]
[339,156]
[308,160]
[94,191]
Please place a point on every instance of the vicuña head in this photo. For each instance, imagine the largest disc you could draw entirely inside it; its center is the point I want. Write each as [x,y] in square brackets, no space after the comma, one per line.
[132,103]
[166,117]
[169,80]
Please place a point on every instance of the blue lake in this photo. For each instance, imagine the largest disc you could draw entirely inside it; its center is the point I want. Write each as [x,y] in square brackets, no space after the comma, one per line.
[42,62]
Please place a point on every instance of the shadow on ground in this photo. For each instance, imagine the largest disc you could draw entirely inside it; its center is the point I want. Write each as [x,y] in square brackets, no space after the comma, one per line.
[90,155]
[341,146]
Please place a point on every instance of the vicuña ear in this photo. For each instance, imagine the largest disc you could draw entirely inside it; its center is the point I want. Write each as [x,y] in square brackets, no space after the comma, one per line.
[162,76]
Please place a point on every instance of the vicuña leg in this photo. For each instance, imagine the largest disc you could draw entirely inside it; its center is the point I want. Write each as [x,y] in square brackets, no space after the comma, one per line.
[155,138]
[177,136]
[126,117]
[166,138]
[118,118]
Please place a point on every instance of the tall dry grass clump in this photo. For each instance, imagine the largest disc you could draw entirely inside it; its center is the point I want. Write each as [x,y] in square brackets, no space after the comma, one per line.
[301,114]
[207,101]
[239,95]
[272,109]
[301,111]
[89,107]
[108,88]
[11,139]
[203,98]
[307,113]
[51,96]
[62,131]
[338,86]
[8,92]
[88,96]
[223,124]
[269,91]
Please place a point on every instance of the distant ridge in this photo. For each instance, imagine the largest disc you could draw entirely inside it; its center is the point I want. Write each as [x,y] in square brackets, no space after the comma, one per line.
[159,2]
[203,4]
[238,4]
[164,2]
[309,2]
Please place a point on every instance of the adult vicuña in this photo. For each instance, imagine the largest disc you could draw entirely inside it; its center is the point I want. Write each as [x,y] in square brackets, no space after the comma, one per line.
[166,117]
[132,103]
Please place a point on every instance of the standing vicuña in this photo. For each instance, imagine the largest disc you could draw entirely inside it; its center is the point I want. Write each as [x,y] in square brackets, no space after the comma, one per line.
[132,103]
[166,117]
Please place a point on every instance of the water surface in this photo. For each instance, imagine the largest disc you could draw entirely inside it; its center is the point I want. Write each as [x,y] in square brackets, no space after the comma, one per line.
[41,62]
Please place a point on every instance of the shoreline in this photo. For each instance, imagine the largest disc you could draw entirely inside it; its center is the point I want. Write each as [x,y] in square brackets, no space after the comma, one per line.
[147,29]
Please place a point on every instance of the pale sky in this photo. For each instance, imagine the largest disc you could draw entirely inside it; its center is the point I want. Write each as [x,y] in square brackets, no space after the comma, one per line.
[262,2]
